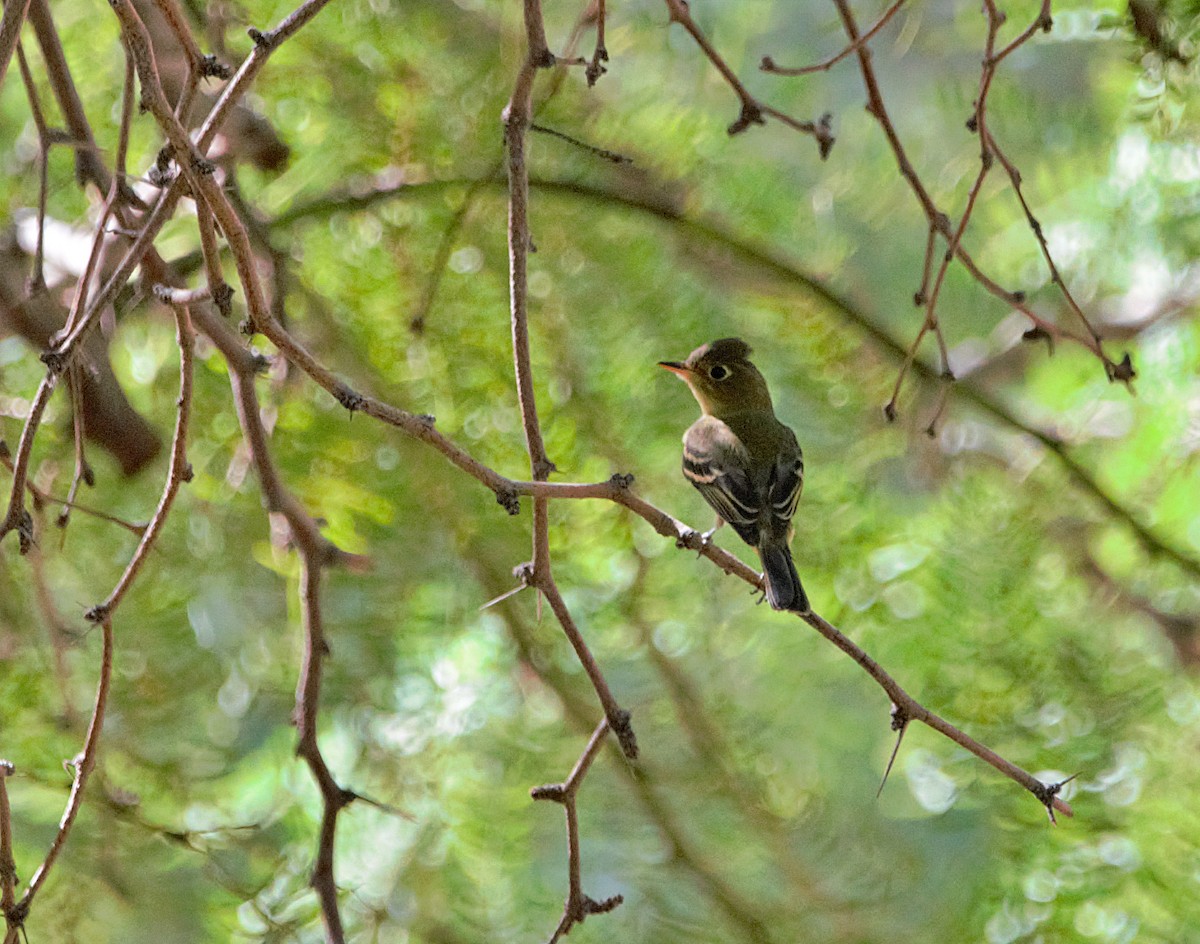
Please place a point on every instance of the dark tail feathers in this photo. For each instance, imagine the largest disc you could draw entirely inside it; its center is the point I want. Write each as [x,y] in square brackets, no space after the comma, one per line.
[783,583]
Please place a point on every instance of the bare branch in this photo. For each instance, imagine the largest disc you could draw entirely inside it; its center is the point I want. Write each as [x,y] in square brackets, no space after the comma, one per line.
[753,111]
[10,32]
[578,905]
[178,472]
[83,764]
[37,280]
[768,64]
[308,698]
[8,867]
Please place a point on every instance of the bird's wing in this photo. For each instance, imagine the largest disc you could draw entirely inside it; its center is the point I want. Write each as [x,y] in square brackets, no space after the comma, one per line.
[787,482]
[715,461]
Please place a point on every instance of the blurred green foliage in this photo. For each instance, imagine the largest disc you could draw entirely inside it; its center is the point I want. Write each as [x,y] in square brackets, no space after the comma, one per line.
[971,565]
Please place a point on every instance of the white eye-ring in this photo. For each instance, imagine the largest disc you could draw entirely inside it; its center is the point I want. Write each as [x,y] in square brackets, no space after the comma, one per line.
[718,372]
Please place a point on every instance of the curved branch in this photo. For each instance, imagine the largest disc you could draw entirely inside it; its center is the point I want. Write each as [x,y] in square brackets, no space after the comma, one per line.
[178,472]
[83,763]
[780,267]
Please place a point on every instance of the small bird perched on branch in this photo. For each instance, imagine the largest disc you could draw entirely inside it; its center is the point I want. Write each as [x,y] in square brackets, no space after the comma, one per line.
[746,464]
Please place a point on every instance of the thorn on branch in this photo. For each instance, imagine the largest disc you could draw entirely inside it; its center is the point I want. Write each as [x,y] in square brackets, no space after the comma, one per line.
[161,174]
[621,727]
[591,906]
[18,914]
[1122,371]
[889,411]
[1047,792]
[1046,23]
[97,614]
[900,719]
[524,573]
[594,69]
[261,40]
[212,67]
[919,299]
[348,398]
[1038,333]
[1018,297]
[187,473]
[973,123]
[751,115]
[24,528]
[54,361]
[824,134]
[222,296]
[600,152]
[555,792]
[508,499]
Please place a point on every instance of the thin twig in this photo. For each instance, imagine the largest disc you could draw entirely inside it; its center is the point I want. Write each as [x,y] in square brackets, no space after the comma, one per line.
[47,498]
[88,165]
[768,64]
[37,279]
[179,470]
[315,552]
[8,866]
[937,219]
[578,905]
[10,32]
[441,258]
[218,289]
[753,111]
[83,764]
[517,117]
[308,697]
[83,471]
[595,68]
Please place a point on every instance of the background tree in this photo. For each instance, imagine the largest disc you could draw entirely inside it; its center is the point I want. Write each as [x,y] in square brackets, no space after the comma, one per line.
[1019,549]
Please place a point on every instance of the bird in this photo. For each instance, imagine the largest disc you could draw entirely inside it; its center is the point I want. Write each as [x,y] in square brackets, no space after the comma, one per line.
[744,461]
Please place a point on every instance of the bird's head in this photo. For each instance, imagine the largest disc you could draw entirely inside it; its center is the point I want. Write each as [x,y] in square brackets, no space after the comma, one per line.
[721,378]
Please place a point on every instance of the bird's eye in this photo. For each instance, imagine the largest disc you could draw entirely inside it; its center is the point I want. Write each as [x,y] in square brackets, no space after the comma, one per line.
[718,372]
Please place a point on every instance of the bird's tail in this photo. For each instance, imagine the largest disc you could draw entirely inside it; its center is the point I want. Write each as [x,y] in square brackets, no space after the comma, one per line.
[784,591]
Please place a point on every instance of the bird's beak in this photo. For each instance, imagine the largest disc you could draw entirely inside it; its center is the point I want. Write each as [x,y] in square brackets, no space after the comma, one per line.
[675,367]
